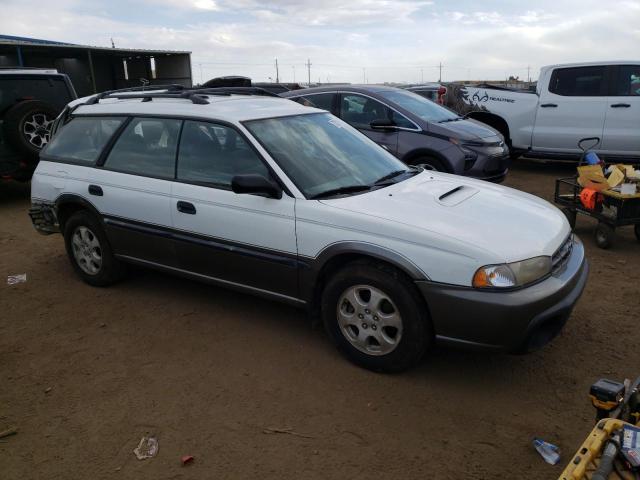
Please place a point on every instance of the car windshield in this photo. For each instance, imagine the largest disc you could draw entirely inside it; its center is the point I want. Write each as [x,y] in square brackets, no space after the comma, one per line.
[419,106]
[322,155]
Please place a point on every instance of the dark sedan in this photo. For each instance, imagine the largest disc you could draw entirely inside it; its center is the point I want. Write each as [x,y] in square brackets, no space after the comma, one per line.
[414,129]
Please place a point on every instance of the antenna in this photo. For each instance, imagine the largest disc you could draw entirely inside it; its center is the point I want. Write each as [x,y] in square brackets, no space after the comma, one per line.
[113,45]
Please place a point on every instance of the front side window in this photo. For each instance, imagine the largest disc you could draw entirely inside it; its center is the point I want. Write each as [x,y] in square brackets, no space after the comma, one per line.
[320,153]
[146,147]
[82,139]
[213,154]
[578,82]
[628,81]
[323,101]
[359,111]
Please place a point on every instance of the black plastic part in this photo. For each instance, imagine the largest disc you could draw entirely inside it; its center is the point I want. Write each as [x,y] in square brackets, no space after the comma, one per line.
[255,184]
[95,190]
[607,390]
[186,207]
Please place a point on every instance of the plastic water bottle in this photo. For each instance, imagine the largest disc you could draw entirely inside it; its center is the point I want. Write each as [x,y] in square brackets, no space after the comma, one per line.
[548,451]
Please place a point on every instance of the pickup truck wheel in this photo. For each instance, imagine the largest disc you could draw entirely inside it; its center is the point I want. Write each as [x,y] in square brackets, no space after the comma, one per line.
[89,251]
[604,235]
[571,216]
[27,127]
[430,163]
[375,317]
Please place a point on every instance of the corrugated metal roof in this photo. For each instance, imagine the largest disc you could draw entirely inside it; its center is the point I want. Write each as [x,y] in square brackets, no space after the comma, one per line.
[36,42]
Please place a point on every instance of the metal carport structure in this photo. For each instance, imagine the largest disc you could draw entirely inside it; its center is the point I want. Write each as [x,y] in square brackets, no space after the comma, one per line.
[96,69]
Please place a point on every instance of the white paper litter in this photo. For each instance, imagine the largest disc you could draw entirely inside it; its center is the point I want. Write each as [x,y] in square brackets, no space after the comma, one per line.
[13,279]
[147,448]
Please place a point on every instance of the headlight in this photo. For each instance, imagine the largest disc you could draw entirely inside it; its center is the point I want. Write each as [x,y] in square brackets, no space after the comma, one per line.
[514,274]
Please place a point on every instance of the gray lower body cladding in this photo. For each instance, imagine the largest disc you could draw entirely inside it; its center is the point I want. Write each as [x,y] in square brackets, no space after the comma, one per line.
[514,321]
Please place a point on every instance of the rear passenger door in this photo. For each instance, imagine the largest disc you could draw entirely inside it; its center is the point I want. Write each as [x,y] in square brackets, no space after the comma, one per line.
[243,239]
[573,107]
[622,122]
[133,190]
[359,111]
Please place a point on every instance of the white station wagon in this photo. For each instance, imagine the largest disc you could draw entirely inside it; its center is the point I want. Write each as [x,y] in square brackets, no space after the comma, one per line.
[285,201]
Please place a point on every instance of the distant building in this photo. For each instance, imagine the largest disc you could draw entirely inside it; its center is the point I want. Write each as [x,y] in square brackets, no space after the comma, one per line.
[96,69]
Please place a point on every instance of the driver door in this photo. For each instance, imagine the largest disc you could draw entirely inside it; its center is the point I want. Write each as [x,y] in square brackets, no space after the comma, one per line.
[241,239]
[359,111]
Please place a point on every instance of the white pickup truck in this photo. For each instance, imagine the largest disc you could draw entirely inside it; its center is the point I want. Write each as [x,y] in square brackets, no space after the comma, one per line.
[571,102]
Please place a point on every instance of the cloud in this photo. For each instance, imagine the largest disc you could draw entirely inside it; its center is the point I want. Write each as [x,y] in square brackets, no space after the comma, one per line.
[376,39]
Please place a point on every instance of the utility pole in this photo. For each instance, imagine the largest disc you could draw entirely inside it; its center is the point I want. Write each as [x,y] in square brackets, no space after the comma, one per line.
[440,74]
[528,74]
[277,72]
[364,75]
[309,70]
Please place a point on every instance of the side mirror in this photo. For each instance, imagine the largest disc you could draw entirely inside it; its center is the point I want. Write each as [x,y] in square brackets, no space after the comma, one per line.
[382,124]
[255,184]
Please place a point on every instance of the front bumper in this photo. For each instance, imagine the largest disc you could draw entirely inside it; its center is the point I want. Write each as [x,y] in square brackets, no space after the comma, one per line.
[520,320]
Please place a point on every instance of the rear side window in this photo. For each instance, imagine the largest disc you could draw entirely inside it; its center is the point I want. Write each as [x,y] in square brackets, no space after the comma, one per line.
[578,82]
[323,101]
[82,139]
[146,147]
[212,154]
[628,81]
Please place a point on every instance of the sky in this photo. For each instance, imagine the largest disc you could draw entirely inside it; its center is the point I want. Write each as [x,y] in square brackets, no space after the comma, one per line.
[355,41]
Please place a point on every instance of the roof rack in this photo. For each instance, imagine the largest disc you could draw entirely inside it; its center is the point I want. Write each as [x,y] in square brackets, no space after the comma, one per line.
[147,97]
[235,91]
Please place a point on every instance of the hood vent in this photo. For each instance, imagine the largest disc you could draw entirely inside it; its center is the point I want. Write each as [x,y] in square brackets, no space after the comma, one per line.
[456,195]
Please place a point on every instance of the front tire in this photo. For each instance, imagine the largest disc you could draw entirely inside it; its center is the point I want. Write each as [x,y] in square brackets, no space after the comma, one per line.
[375,317]
[89,251]
[430,163]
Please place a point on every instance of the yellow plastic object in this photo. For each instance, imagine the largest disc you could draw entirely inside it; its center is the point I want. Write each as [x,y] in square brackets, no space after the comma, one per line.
[585,462]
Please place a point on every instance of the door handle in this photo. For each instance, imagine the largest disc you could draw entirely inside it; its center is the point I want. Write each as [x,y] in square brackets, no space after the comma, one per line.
[186,207]
[620,105]
[96,190]
[549,105]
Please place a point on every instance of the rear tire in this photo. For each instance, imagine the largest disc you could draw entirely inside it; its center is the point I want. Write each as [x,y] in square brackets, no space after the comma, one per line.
[604,235]
[89,251]
[27,127]
[375,317]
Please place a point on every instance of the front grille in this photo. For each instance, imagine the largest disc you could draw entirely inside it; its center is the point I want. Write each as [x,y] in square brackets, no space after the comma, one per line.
[560,258]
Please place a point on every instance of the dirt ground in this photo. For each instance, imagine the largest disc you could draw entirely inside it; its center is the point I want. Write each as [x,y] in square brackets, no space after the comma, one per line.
[86,372]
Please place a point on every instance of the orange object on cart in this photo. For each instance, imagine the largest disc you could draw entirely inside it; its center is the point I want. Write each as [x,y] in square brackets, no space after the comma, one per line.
[590,198]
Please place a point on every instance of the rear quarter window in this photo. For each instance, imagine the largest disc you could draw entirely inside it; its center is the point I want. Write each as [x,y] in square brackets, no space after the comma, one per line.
[82,139]
[50,89]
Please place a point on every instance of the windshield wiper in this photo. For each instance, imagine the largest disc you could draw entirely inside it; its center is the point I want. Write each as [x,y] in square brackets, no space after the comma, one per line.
[340,190]
[389,176]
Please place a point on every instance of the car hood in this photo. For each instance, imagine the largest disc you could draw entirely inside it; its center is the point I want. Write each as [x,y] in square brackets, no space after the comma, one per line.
[506,224]
[464,129]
